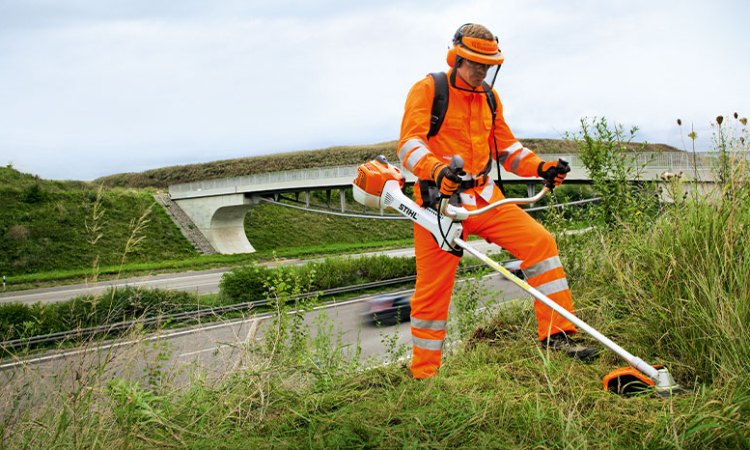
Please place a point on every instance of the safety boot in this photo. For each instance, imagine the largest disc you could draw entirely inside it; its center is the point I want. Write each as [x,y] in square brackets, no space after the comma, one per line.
[564,343]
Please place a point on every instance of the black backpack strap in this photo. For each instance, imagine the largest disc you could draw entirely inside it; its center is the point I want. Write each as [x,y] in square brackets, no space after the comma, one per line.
[491,101]
[439,103]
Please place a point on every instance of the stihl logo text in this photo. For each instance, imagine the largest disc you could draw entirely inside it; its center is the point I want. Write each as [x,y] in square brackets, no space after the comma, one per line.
[408,211]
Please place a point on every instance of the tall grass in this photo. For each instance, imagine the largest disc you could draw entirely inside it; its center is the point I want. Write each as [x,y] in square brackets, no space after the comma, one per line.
[684,283]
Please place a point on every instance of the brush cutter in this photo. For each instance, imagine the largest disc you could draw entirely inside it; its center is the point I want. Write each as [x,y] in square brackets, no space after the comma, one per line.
[379,185]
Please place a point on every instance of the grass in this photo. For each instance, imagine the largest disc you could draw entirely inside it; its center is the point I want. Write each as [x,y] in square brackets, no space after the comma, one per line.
[61,277]
[500,390]
[47,225]
[670,288]
[54,231]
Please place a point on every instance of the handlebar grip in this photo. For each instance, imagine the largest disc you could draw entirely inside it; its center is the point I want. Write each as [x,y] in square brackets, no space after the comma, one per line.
[457,165]
[563,166]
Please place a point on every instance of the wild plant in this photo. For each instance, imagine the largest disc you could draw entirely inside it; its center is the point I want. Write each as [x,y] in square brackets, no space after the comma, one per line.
[681,285]
[394,352]
[94,226]
[466,314]
[287,336]
[616,175]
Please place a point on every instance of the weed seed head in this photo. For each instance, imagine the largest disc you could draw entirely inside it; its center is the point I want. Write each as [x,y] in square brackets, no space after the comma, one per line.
[693,135]
[743,121]
[719,119]
[735,114]
[679,122]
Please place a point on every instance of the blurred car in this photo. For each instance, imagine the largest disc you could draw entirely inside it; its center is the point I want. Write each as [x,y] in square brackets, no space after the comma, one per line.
[388,309]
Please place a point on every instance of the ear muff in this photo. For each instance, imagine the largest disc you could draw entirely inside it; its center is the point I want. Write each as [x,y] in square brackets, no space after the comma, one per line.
[457,38]
[451,57]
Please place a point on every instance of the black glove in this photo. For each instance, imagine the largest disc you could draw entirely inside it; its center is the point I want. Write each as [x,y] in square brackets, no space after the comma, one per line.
[446,179]
[553,172]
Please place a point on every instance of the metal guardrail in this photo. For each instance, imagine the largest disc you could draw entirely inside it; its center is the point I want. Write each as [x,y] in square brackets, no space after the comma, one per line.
[383,216]
[103,330]
[182,316]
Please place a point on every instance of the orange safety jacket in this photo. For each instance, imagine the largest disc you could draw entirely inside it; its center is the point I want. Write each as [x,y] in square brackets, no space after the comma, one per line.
[467,131]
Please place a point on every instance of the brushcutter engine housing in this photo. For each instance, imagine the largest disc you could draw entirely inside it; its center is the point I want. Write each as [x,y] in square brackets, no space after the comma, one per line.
[379,185]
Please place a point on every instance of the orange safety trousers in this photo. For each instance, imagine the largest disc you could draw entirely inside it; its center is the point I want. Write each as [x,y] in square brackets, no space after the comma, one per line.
[512,229]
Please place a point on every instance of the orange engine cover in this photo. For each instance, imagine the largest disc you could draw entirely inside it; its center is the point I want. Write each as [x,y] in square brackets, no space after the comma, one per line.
[372,175]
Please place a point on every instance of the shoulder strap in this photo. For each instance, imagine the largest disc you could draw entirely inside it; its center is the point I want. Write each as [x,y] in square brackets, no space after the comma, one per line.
[490,99]
[439,103]
[492,102]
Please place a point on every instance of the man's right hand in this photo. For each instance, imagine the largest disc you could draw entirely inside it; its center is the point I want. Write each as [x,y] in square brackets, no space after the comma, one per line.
[446,179]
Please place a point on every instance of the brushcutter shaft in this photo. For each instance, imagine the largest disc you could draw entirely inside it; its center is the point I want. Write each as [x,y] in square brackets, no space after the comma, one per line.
[633,360]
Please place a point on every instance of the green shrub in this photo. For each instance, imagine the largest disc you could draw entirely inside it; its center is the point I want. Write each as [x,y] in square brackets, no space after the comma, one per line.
[250,283]
[118,305]
[245,284]
[13,316]
[606,151]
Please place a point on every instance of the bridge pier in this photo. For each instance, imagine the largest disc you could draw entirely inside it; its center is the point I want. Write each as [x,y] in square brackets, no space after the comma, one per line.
[222,220]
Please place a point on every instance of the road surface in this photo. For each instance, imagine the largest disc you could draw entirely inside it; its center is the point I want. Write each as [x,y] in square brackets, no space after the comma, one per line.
[196,282]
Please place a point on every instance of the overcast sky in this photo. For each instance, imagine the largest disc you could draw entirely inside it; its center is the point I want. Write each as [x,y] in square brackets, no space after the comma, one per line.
[95,87]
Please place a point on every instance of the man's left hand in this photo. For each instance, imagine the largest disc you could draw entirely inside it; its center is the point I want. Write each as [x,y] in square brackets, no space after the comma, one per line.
[553,172]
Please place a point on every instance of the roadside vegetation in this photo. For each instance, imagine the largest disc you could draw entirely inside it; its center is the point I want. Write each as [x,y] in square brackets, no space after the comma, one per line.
[247,285]
[67,225]
[669,281]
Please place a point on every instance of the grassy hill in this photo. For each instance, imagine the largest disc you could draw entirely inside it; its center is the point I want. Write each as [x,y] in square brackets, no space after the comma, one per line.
[63,228]
[50,226]
[332,156]
[61,225]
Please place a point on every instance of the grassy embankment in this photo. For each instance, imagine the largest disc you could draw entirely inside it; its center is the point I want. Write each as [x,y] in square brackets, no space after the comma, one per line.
[675,299]
[671,287]
[54,230]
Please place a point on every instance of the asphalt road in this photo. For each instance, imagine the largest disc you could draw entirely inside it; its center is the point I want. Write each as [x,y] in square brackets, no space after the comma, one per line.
[197,282]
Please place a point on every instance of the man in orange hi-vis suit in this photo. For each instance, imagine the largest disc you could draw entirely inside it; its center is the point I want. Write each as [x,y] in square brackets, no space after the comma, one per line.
[468,130]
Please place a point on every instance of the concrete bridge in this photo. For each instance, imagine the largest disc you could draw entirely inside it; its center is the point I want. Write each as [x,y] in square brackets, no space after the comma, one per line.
[218,207]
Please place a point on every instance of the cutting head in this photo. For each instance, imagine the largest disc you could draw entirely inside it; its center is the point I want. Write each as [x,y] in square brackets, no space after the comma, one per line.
[629,381]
